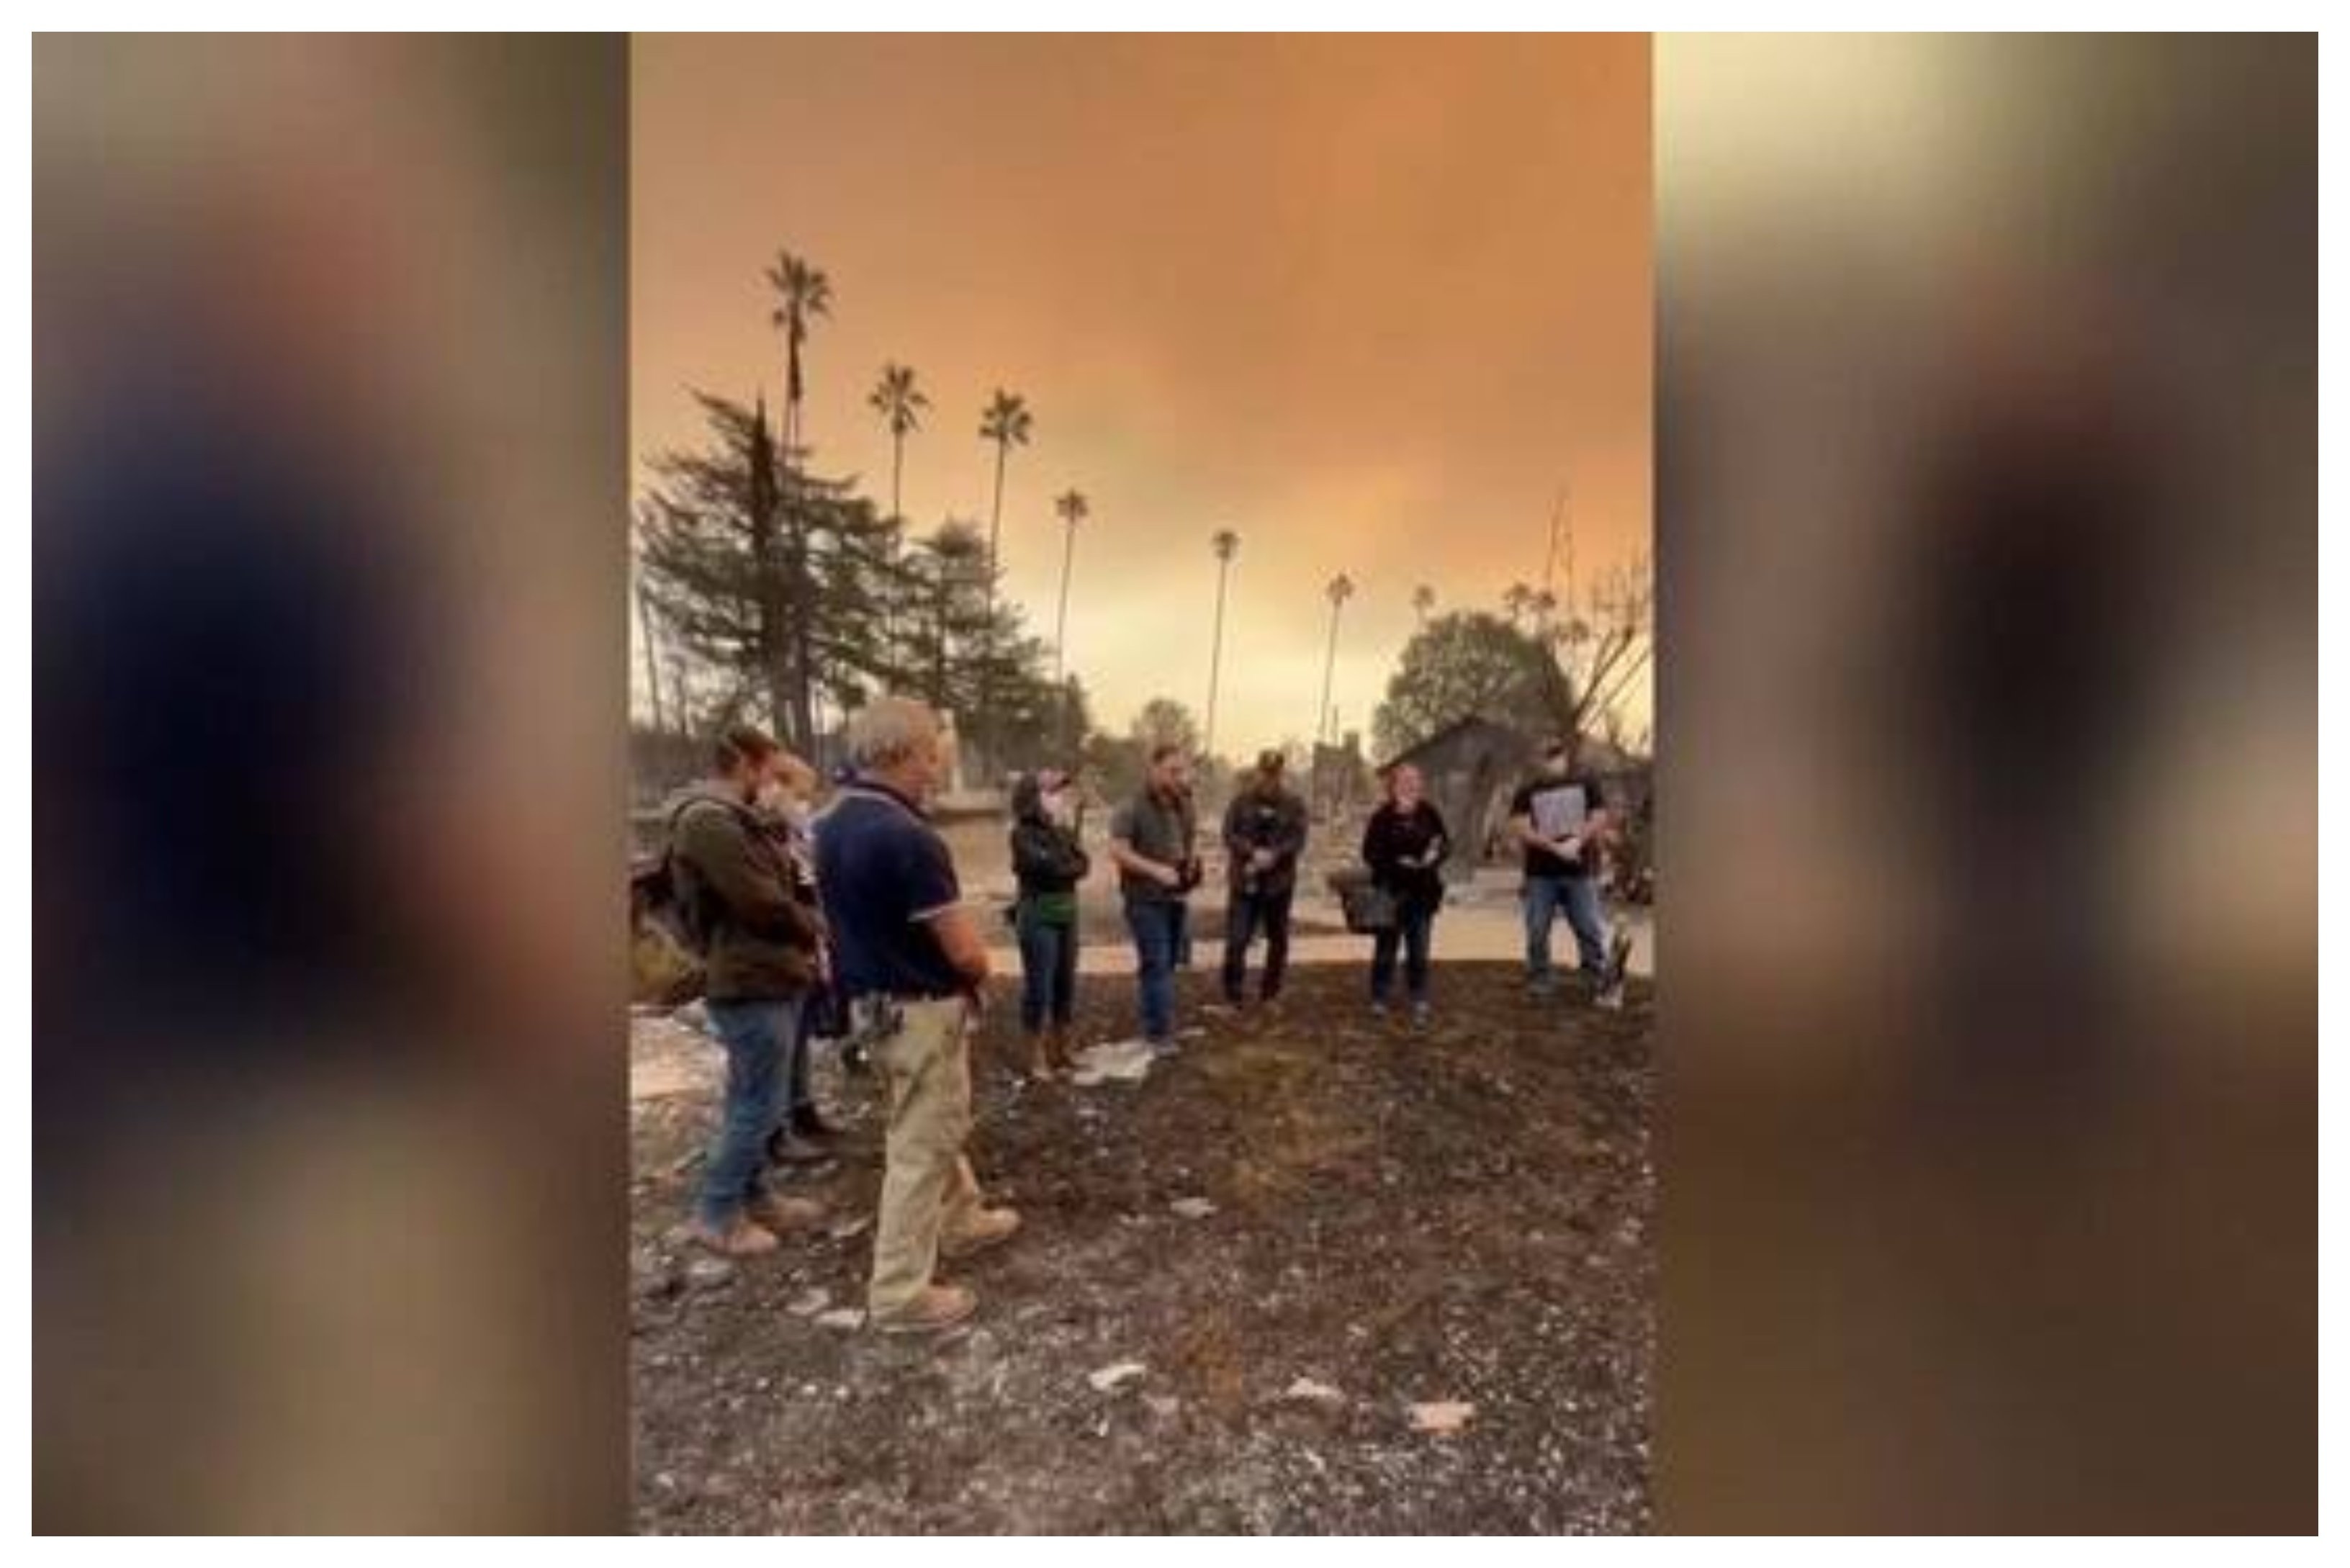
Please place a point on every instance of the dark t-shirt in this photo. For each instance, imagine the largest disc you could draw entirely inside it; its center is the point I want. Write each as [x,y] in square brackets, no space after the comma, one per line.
[1557,807]
[1157,829]
[883,872]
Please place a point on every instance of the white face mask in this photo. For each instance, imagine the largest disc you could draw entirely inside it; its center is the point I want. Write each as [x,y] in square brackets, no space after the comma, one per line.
[777,800]
[1060,808]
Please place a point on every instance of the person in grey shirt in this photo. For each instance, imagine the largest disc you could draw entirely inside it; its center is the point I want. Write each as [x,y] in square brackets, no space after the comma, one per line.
[1151,838]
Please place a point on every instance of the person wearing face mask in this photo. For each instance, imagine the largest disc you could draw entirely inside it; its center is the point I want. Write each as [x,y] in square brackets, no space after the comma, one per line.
[785,804]
[1405,844]
[1049,859]
[738,898]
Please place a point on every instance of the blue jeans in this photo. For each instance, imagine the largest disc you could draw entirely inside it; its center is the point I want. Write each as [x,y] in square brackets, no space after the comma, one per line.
[1048,970]
[759,1037]
[1157,925]
[1578,897]
[1415,920]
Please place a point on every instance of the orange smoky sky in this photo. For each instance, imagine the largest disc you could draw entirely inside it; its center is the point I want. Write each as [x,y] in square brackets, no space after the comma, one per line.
[1370,302]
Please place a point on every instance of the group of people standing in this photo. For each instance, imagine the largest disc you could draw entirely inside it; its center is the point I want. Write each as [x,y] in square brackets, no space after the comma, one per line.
[858,909]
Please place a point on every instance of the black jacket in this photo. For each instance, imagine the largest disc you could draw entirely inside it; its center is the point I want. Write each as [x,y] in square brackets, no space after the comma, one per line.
[1392,837]
[1045,856]
[1271,820]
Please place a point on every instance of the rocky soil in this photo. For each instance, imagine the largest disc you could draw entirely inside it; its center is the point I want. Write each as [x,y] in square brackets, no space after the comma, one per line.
[1318,1273]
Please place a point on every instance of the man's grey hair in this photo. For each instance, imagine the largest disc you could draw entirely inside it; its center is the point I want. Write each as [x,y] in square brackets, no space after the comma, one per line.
[888,730]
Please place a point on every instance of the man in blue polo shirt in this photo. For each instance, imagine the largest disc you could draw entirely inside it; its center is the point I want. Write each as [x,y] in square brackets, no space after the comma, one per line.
[908,956]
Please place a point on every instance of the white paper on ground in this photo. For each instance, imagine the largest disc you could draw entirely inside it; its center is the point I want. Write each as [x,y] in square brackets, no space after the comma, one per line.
[1125,1060]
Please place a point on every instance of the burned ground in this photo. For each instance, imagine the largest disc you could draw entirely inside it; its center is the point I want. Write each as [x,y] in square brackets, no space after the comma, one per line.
[1399,1219]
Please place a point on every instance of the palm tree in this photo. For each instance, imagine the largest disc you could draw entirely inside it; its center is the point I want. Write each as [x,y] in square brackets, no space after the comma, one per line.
[803,293]
[1007,422]
[1544,604]
[1341,589]
[1073,510]
[900,402]
[1423,599]
[1514,600]
[1226,543]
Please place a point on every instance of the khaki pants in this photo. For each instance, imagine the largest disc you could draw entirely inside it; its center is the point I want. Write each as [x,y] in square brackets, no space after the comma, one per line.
[927,1190]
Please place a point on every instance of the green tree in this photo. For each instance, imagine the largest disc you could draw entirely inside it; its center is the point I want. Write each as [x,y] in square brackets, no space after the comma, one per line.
[1471,662]
[966,641]
[778,582]
[1163,720]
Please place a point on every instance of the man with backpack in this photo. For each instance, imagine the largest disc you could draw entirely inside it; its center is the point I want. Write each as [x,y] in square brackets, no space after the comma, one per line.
[739,903]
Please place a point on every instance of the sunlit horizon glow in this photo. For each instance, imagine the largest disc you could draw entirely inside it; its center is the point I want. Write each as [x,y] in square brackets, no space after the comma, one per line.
[1371,303]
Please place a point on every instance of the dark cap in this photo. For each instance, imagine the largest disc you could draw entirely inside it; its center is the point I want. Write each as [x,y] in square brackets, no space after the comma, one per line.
[1271,761]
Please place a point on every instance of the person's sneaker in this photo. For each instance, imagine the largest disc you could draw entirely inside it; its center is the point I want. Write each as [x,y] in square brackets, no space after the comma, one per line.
[938,1307]
[1163,1048]
[787,1145]
[778,1213]
[1379,1012]
[1419,1015]
[986,1227]
[742,1238]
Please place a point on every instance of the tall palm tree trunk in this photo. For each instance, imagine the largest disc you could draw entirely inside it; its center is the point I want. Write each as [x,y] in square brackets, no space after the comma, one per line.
[896,526]
[896,475]
[1061,629]
[1322,726]
[987,633]
[1216,661]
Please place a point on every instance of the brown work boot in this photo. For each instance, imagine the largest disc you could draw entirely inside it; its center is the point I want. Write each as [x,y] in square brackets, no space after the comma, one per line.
[983,1229]
[743,1239]
[1057,1045]
[938,1307]
[779,1213]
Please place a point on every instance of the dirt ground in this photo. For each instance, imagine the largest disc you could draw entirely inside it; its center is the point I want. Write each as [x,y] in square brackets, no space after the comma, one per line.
[1399,1218]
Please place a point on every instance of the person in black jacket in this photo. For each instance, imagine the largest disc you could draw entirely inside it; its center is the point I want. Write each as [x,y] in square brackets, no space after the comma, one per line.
[1050,860]
[1264,832]
[1405,844]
